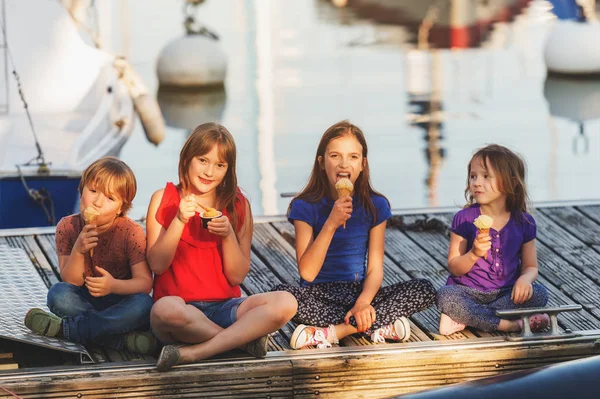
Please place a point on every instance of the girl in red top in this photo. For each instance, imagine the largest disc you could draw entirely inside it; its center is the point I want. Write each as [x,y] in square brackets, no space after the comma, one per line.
[198,270]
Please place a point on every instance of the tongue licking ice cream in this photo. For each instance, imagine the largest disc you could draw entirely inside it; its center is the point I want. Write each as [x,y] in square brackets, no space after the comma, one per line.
[344,187]
[483,224]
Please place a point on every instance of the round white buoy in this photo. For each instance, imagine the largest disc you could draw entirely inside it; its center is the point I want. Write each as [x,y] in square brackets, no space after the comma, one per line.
[193,60]
[572,48]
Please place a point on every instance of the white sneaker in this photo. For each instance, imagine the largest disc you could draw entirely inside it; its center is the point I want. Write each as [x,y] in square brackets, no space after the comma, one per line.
[398,331]
[309,336]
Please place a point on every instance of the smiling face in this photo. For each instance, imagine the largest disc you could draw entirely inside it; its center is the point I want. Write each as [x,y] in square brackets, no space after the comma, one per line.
[206,172]
[343,158]
[485,183]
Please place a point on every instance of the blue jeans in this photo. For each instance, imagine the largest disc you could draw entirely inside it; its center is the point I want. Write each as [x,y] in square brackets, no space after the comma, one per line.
[102,320]
[477,309]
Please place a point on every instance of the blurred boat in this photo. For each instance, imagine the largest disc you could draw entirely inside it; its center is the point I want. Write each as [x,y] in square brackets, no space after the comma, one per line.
[66,106]
[573,43]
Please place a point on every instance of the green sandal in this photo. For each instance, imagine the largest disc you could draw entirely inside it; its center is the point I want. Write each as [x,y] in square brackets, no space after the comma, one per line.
[43,323]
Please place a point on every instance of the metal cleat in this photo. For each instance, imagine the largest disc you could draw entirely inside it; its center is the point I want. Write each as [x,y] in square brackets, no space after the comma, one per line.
[526,313]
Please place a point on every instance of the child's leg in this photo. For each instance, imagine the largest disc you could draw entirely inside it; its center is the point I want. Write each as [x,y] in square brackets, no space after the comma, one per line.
[115,316]
[539,298]
[65,299]
[401,300]
[257,316]
[324,305]
[173,321]
[468,306]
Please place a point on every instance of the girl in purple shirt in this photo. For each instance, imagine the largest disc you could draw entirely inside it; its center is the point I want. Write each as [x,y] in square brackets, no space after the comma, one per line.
[494,271]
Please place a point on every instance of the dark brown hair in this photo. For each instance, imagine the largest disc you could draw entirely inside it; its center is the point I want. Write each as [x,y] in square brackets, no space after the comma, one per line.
[112,177]
[201,141]
[318,184]
[511,171]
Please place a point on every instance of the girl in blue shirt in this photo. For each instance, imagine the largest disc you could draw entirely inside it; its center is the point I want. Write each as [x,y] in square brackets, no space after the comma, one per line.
[341,268]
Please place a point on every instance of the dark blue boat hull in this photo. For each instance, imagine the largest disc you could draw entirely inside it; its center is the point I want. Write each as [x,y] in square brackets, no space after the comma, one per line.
[577,379]
[18,209]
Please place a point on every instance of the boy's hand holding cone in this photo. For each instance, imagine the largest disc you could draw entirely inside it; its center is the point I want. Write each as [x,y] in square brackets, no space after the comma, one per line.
[483,224]
[344,187]
[90,215]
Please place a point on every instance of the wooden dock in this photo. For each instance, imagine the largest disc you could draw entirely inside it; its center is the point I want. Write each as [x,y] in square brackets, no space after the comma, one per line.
[568,246]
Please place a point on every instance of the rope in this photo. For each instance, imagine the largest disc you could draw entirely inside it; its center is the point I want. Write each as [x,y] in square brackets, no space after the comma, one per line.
[40,160]
[40,197]
[10,393]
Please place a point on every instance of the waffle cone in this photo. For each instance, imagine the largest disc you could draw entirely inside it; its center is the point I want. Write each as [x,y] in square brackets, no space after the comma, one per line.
[484,231]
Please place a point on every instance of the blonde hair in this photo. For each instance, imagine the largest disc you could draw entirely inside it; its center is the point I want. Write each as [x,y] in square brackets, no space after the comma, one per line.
[112,177]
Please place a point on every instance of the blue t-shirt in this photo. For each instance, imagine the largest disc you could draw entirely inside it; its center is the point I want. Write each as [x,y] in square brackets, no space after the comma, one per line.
[502,267]
[347,254]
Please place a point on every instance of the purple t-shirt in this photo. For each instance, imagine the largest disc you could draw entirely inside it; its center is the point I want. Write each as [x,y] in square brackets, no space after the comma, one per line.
[503,265]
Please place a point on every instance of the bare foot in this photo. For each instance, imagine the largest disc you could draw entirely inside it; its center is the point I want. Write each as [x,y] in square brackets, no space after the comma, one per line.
[449,326]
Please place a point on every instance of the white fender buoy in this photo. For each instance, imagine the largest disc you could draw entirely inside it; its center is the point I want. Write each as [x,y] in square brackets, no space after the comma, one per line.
[573,48]
[193,60]
[145,105]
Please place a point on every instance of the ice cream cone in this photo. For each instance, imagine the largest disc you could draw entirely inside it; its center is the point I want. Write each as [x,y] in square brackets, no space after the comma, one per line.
[483,224]
[344,187]
[90,215]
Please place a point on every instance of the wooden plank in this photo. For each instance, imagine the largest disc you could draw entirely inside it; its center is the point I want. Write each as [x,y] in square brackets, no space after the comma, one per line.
[381,375]
[592,211]
[576,223]
[275,252]
[248,380]
[260,279]
[392,275]
[568,246]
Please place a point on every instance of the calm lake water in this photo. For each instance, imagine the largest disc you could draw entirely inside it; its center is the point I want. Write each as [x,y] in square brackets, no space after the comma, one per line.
[296,67]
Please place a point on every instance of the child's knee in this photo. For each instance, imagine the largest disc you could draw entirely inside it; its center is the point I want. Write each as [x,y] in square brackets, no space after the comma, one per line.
[447,298]
[285,305]
[63,300]
[169,311]
[540,295]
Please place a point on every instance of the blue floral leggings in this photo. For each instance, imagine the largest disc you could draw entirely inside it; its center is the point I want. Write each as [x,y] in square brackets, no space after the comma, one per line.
[477,309]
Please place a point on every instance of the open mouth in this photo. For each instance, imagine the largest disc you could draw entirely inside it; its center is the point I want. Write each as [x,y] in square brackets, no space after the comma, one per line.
[342,175]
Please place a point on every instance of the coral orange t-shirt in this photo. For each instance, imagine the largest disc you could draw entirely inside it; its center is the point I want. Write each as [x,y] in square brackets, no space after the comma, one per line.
[196,272]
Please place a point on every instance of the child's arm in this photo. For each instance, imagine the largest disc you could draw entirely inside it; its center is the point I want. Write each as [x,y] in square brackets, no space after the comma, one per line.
[310,253]
[362,310]
[523,289]
[162,244]
[140,282]
[72,267]
[236,249]
[460,261]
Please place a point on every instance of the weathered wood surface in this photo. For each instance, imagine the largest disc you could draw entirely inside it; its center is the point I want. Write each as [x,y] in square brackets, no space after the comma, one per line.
[568,243]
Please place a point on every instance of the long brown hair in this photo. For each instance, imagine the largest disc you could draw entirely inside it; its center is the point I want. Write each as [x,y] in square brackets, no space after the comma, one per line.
[511,171]
[201,141]
[111,176]
[318,184]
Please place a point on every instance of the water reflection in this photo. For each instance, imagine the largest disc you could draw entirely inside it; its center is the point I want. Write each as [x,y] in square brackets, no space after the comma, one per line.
[575,99]
[185,109]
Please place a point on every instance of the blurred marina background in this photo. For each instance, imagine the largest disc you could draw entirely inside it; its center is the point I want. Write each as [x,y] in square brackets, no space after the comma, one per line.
[427,81]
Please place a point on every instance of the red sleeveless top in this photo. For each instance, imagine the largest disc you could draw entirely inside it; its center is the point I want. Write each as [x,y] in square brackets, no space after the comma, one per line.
[196,272]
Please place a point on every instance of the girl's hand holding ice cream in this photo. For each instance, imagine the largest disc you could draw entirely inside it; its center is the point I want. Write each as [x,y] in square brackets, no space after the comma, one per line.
[341,211]
[220,226]
[483,224]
